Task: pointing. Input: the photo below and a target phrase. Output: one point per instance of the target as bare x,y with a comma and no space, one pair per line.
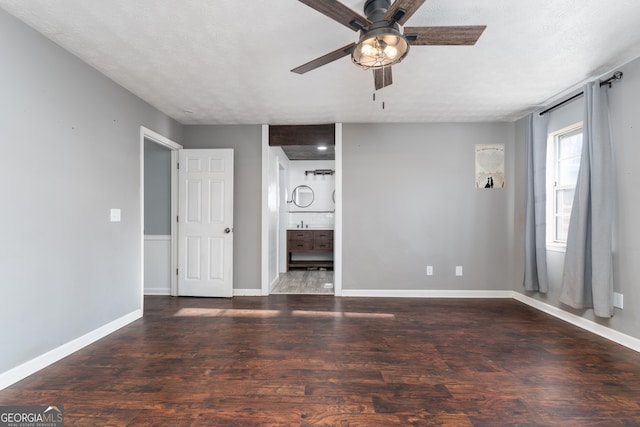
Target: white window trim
552,244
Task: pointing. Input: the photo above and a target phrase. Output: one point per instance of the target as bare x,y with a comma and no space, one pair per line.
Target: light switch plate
429,270
618,300
115,215
458,270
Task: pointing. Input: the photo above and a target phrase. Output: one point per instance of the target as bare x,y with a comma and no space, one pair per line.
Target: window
563,163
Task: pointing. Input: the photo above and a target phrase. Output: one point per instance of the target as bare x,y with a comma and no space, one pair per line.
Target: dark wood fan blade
444,36
410,7
339,12
325,59
382,77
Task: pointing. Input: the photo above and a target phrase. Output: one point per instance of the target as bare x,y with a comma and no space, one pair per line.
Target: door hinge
176,271
177,218
178,165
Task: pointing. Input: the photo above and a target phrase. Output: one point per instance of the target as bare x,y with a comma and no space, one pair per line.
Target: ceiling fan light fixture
380,48
381,44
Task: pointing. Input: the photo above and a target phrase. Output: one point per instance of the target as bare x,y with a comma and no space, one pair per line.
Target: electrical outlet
618,300
458,270
429,270
115,215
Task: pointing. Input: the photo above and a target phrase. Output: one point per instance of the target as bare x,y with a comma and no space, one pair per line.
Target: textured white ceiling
228,61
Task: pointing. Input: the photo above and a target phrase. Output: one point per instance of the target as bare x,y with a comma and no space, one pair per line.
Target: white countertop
326,227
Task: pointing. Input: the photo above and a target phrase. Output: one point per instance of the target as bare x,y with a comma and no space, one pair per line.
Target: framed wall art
490,166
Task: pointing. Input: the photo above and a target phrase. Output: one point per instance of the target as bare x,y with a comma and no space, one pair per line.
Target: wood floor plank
321,360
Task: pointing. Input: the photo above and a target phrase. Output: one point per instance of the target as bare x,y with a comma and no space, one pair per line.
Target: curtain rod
616,76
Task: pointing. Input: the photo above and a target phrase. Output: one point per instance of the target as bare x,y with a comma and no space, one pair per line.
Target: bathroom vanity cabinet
309,242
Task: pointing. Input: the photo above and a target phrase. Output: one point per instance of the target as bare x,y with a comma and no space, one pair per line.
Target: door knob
227,230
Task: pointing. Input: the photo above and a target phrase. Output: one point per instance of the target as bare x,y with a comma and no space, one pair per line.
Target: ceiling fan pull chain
374,100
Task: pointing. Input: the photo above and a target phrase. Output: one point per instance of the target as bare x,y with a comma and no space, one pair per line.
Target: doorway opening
301,217
307,212
158,206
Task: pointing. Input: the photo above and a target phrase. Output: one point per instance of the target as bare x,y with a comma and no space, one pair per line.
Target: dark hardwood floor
318,360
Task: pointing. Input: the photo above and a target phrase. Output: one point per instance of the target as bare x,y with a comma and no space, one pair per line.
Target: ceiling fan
381,44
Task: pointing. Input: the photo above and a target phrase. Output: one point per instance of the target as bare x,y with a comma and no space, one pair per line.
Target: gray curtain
588,267
535,270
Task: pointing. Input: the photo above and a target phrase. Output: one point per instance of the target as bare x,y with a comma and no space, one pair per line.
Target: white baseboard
16,374
247,292
389,293
157,291
589,325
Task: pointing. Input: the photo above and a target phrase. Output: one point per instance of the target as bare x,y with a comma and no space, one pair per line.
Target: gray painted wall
625,110
409,201
246,140
70,152
157,189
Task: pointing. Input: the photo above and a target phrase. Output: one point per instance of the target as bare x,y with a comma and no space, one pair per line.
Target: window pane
570,145
562,228
564,200
568,161
568,171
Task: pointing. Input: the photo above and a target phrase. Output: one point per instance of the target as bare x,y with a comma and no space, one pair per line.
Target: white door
205,223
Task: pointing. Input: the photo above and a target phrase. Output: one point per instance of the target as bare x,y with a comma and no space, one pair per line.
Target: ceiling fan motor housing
376,9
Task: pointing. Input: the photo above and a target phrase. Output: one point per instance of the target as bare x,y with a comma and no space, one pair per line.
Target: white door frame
146,133
281,240
337,233
337,226
264,268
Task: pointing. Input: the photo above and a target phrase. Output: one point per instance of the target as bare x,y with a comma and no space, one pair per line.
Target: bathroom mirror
302,196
